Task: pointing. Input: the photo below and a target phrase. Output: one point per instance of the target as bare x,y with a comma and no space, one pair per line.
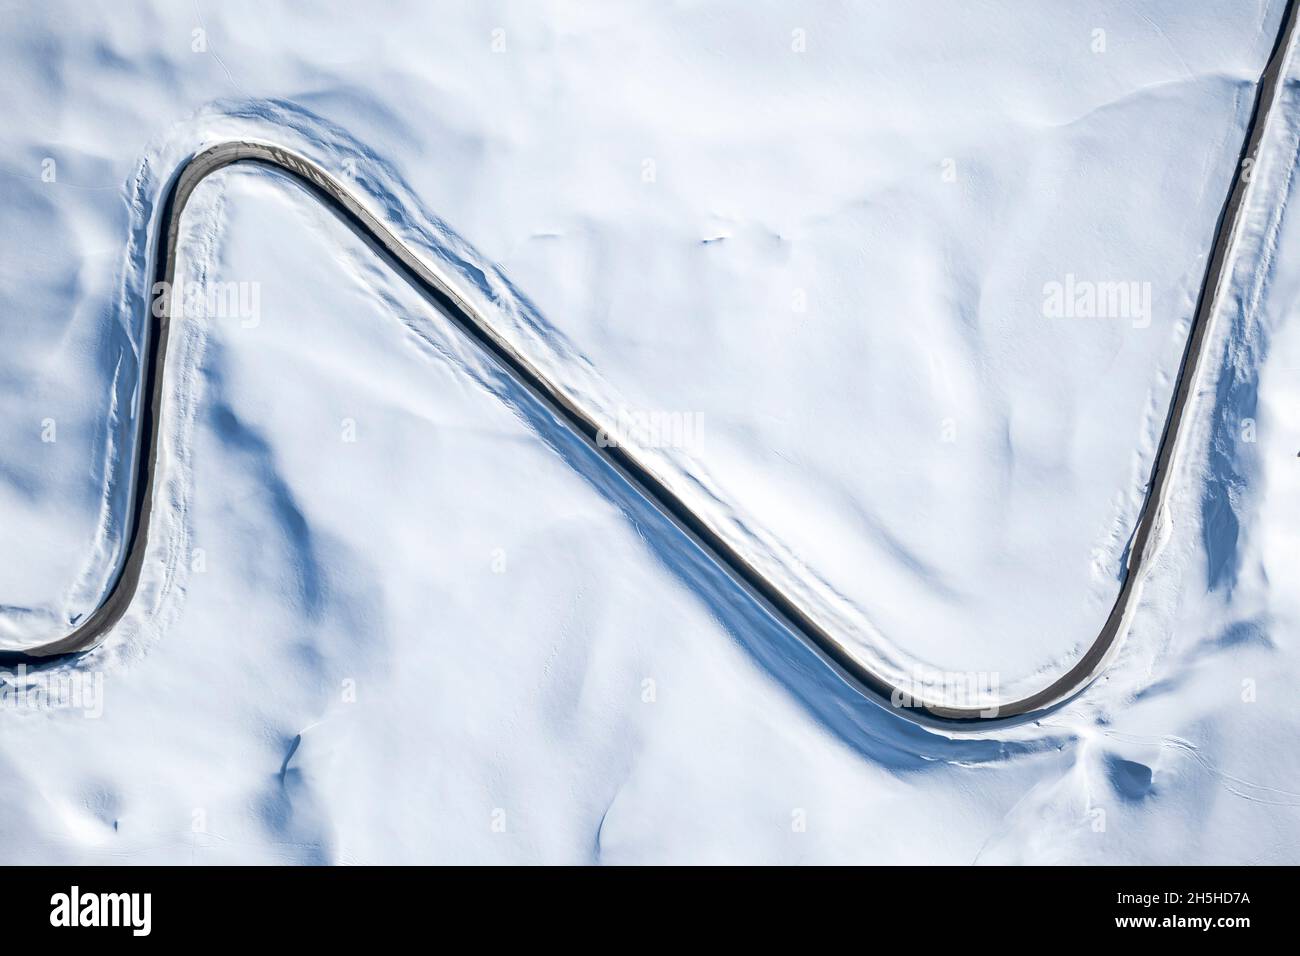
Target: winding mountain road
337,197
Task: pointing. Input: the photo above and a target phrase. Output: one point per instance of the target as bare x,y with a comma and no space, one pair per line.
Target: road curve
340,200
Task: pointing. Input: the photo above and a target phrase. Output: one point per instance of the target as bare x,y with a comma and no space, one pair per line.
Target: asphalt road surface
801,624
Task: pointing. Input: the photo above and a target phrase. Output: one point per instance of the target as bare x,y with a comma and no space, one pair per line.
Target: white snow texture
391,612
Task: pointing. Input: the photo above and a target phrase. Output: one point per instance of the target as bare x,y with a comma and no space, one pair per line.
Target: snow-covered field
392,613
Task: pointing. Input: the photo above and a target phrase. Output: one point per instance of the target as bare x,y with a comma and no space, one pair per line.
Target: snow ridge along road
442,293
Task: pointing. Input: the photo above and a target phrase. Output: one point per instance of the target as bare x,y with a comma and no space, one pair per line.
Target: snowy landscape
894,298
